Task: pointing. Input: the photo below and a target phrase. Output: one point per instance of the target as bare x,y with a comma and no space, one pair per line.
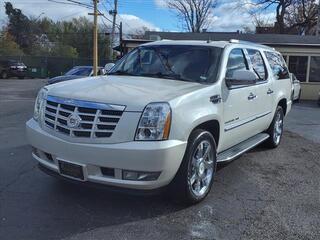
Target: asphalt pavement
265,194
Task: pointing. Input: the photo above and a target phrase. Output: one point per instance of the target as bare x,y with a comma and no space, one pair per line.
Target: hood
133,92
63,78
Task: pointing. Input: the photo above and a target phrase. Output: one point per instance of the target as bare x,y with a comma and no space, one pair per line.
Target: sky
134,14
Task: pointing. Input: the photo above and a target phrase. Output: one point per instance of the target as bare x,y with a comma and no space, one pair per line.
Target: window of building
299,65
258,64
278,65
237,61
314,69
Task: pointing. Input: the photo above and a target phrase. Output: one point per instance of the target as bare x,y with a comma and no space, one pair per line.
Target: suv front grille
81,119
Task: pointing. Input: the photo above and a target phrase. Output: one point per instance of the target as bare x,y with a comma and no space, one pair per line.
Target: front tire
276,129
194,179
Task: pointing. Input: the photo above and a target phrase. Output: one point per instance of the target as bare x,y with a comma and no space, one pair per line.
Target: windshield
16,63
79,71
178,62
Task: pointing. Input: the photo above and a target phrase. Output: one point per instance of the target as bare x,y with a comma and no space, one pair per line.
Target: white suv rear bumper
161,156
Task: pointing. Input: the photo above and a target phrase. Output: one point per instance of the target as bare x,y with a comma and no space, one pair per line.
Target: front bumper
162,156
17,73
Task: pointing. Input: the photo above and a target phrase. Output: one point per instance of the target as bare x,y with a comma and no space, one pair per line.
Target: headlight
154,123
39,105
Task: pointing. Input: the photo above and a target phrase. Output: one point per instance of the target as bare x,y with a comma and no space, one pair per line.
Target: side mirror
102,71
108,67
241,78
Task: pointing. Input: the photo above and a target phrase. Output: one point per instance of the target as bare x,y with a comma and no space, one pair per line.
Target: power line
69,3
80,3
76,3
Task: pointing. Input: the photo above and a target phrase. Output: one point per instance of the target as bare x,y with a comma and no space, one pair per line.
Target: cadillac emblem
74,120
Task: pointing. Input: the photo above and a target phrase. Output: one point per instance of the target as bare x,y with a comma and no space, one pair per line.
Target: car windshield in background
178,62
16,63
78,71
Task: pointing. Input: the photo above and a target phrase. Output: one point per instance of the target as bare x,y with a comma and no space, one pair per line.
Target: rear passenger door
264,89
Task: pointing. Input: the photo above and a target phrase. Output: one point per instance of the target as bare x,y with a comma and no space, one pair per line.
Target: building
302,53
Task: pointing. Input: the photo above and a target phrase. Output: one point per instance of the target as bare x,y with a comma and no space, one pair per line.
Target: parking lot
265,194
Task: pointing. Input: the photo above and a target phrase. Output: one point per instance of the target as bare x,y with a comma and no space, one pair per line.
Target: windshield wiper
173,76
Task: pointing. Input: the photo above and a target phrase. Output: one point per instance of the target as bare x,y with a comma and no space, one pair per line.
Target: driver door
239,104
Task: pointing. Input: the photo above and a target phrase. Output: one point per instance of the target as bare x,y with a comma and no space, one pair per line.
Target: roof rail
251,43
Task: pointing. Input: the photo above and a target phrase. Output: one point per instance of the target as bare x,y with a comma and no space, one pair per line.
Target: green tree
19,27
60,50
8,47
78,33
44,37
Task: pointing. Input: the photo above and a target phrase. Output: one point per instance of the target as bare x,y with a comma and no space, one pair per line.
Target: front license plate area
71,170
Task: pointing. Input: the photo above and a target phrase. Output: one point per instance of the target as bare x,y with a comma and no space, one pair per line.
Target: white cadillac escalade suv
165,115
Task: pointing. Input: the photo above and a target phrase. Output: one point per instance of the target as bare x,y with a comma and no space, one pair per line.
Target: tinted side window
236,61
258,64
278,65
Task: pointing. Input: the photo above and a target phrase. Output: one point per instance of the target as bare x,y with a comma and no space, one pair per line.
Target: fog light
140,176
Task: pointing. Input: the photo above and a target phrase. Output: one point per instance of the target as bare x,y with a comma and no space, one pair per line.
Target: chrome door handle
269,91
252,96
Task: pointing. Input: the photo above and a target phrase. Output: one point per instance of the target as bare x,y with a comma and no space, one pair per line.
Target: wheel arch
283,103
212,126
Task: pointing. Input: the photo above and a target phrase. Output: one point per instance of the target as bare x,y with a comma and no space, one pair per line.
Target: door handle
270,91
215,99
252,96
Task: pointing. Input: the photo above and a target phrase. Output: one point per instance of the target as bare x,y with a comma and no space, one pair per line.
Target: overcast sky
137,13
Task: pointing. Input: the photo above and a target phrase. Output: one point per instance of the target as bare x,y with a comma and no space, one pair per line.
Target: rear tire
298,99
4,75
275,130
194,178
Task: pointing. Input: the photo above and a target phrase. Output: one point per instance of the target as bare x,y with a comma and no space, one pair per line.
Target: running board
242,147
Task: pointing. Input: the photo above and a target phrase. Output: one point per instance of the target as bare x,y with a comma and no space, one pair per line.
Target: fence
44,67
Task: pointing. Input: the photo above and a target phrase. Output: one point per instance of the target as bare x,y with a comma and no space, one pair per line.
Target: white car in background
296,88
164,116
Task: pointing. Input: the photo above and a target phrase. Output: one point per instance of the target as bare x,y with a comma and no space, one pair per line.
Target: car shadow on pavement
36,205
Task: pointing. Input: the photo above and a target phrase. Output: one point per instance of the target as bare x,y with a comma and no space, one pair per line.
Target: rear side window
237,61
278,65
258,64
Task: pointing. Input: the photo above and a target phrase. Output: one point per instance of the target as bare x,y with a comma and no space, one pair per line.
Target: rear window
258,64
278,65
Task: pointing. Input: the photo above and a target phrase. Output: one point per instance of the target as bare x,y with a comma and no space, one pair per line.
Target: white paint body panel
239,119
296,90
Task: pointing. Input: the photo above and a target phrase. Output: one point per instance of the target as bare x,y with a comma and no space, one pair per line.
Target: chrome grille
81,119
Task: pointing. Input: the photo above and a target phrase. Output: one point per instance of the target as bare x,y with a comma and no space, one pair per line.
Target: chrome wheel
201,169
278,128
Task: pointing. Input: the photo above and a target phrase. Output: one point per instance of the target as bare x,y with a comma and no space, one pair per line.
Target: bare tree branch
194,14
292,16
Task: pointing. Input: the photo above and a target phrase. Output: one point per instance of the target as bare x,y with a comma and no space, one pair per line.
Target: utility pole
114,14
95,36
318,23
120,40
